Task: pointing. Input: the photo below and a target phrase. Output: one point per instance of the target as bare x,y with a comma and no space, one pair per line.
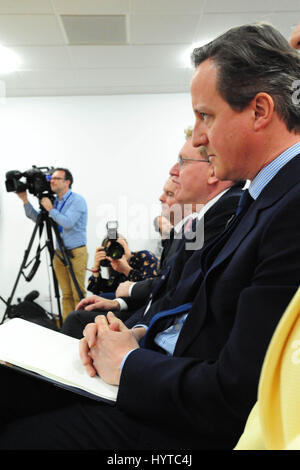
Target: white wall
119,149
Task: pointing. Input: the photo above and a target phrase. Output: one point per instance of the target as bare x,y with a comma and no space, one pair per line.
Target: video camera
115,250
37,181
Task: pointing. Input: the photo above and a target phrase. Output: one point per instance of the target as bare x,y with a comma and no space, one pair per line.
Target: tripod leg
51,250
38,224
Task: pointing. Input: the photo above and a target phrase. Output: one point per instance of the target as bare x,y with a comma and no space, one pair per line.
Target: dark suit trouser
38,415
76,321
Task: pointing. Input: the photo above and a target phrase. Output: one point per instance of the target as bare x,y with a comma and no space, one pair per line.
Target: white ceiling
159,32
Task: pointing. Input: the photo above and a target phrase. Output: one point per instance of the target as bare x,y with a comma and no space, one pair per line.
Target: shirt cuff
53,212
125,357
140,325
130,289
122,303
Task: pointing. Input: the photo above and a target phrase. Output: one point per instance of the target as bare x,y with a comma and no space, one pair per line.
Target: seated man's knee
77,320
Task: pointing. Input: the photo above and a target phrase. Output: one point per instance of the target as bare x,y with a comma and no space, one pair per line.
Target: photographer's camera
114,249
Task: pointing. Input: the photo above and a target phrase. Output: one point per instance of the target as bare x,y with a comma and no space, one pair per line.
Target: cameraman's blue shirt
70,213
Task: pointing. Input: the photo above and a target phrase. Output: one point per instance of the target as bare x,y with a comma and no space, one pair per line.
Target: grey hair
188,134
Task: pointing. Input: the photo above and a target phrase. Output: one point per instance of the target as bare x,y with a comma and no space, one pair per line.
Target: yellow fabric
252,437
274,422
69,294
294,444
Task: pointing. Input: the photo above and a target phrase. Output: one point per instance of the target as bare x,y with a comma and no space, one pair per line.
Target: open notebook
52,356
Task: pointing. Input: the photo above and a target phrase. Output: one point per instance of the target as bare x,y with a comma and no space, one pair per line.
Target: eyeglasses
57,178
181,160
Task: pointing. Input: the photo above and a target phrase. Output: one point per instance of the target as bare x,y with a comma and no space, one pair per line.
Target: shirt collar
268,172
210,203
65,196
201,213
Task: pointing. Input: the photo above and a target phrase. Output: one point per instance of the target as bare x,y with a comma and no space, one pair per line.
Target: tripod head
48,195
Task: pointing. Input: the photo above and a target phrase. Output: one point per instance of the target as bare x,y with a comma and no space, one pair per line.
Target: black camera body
115,250
37,181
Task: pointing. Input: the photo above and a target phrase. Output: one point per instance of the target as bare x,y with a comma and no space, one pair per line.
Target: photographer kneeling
108,273
132,266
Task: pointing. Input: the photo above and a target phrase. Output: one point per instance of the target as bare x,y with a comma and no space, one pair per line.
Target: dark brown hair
252,59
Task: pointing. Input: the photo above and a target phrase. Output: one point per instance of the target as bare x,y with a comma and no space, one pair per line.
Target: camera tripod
44,220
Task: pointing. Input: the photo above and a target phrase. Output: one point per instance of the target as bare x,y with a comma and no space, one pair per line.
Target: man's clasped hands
104,345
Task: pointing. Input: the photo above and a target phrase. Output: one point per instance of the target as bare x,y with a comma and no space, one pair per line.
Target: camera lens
115,250
105,263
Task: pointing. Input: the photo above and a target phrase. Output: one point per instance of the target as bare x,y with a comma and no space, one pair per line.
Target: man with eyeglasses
207,204
69,211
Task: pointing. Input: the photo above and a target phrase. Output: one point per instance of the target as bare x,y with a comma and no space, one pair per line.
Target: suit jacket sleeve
140,293
141,290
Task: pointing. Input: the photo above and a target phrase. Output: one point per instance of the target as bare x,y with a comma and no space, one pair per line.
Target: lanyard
61,208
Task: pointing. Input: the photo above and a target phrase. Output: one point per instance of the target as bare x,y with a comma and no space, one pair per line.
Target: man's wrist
127,270
113,304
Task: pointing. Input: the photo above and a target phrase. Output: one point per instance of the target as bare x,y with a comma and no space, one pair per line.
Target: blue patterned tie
244,202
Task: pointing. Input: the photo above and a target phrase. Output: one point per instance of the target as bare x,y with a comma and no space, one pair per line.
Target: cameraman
69,211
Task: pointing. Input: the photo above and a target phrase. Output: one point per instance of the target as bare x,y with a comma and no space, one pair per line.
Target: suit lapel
282,183
243,228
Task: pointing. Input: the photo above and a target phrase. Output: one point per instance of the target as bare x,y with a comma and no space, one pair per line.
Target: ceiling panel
232,6
129,76
24,7
127,56
213,24
83,82
160,33
162,29
91,7
97,78
167,6
92,91
18,30
95,29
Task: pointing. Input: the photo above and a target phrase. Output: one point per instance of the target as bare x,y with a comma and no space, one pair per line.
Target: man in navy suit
194,381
